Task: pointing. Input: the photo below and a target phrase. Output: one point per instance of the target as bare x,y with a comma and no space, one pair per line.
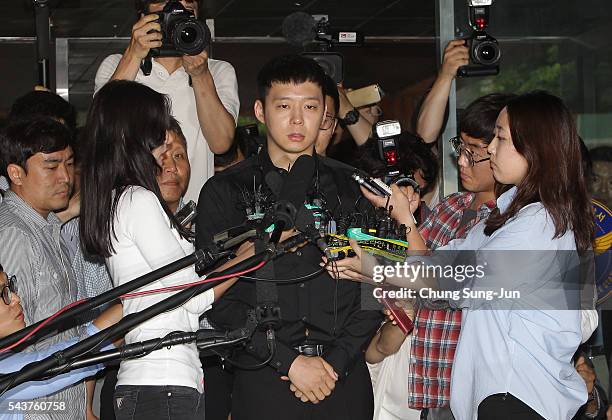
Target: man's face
158,6
293,114
477,178
11,316
328,128
46,181
602,181
174,177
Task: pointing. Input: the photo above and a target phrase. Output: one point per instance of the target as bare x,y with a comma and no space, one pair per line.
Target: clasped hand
312,378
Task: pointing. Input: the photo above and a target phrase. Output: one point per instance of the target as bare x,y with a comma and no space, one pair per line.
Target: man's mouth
296,137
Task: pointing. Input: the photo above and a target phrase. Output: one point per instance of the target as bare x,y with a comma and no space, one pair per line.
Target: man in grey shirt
38,162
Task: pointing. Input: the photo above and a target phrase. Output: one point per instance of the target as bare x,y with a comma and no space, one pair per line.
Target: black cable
251,367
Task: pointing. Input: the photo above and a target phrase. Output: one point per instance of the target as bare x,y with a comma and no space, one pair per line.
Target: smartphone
368,95
186,215
401,318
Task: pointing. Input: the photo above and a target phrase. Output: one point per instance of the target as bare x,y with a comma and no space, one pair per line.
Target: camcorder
485,53
313,33
182,32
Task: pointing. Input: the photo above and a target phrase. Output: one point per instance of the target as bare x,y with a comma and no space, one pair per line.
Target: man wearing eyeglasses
453,217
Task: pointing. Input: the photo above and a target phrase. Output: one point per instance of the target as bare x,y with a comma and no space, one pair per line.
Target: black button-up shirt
319,310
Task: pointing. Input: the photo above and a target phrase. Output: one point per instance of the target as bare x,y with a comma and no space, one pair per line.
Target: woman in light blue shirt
12,320
513,360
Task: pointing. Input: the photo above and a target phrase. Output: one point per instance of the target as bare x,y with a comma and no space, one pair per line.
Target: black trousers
506,407
261,394
218,384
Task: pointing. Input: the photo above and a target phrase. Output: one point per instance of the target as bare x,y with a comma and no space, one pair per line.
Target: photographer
203,91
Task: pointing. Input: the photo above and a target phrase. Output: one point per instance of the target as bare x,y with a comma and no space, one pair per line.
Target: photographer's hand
431,116
196,65
217,124
403,200
312,378
456,55
145,35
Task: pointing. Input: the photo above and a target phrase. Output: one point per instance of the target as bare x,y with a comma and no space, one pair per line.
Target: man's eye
311,107
282,106
179,156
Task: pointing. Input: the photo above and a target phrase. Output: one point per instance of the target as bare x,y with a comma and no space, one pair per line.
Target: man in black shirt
324,330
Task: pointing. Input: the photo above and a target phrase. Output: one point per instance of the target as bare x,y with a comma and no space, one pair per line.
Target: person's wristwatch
350,118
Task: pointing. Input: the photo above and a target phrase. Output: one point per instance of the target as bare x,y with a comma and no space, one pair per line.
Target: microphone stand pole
199,257
41,12
34,370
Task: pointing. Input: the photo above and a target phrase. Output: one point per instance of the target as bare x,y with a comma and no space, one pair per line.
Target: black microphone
292,195
299,28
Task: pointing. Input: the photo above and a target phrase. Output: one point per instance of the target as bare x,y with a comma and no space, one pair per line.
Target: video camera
182,32
313,33
485,53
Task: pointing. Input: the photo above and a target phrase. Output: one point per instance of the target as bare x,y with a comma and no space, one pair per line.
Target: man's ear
259,111
16,173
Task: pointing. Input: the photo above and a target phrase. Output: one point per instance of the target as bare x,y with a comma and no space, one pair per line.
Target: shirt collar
504,200
267,165
26,212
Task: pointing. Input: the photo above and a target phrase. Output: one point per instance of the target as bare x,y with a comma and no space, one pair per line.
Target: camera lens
487,53
188,35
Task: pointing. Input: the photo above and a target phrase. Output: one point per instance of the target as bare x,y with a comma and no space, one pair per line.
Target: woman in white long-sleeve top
125,220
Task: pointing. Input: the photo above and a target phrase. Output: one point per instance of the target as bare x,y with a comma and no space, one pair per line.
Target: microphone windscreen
299,28
298,181
274,181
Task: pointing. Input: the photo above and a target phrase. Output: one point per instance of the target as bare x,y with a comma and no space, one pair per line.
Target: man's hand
73,210
587,373
312,378
404,200
146,34
456,55
196,65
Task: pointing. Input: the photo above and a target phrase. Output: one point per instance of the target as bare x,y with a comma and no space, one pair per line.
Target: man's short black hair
23,138
331,89
601,154
292,68
175,127
43,103
478,119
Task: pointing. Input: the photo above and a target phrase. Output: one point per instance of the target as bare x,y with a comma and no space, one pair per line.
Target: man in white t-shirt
207,109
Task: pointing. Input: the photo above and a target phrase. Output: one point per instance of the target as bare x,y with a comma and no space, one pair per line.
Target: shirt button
304,318
302,285
298,253
54,275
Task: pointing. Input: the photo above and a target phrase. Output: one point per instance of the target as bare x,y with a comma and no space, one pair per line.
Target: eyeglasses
328,122
8,289
460,148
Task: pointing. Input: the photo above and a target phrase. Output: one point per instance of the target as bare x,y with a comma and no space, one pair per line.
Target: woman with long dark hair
514,357
125,220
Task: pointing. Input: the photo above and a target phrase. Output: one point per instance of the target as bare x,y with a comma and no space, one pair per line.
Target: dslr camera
182,33
485,53
387,134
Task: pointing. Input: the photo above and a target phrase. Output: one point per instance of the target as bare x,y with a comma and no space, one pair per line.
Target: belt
311,350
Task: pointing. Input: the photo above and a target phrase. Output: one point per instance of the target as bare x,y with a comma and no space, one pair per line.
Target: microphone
292,195
299,28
